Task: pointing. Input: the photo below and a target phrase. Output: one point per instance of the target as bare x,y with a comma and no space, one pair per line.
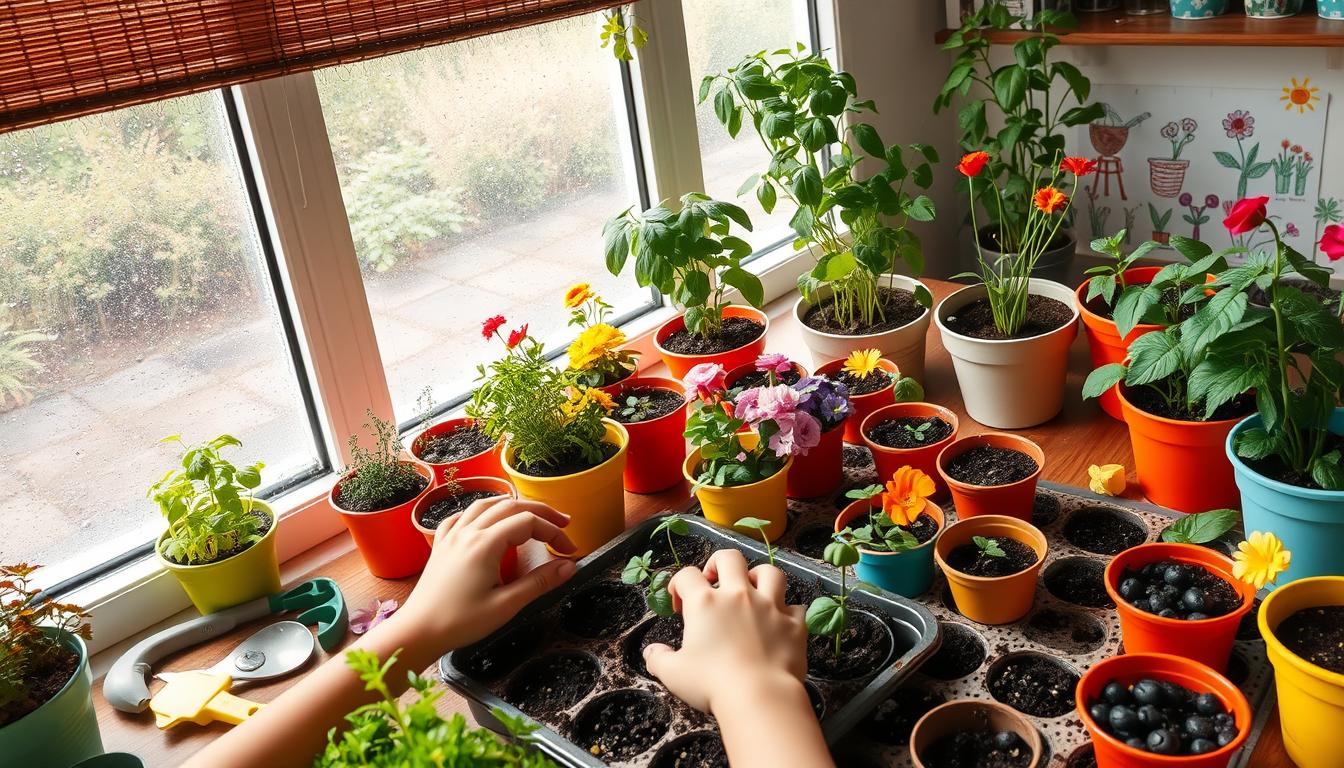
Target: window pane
134,304
477,177
719,33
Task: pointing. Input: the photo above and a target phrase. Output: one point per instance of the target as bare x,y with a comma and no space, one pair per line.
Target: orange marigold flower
577,294
601,398
516,337
973,163
1079,166
905,496
1049,200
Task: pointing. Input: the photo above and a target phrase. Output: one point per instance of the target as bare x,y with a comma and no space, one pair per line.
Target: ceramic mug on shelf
1330,9
1272,9
1200,9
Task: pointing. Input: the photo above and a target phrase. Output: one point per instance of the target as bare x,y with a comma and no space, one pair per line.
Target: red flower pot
1103,338
822,469
1207,641
861,405
391,546
484,464
1013,499
924,457
1133,667
657,446
508,566
730,380
680,364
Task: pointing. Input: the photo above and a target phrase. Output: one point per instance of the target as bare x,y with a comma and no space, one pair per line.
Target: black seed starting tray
573,660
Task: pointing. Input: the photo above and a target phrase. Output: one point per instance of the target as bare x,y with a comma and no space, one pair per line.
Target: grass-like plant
18,361
377,477
26,650
208,503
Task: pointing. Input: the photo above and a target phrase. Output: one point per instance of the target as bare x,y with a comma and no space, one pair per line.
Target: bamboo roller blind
64,58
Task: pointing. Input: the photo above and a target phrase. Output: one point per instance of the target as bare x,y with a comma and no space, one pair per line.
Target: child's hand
458,599
740,637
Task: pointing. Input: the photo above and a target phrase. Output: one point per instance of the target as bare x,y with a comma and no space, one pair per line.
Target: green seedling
920,432
988,547
758,525
1201,528
640,567
828,615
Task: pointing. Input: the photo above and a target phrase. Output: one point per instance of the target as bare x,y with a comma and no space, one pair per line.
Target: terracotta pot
1207,641
924,457
908,573
992,600
679,365
822,470
1133,667
248,575
484,464
64,730
861,405
765,499
970,715
593,498
391,547
1181,464
1311,698
508,567
1103,338
657,446
904,346
1014,499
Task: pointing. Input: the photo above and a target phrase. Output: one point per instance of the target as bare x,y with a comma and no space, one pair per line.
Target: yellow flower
1260,559
593,344
1108,479
577,294
601,398
862,362
904,498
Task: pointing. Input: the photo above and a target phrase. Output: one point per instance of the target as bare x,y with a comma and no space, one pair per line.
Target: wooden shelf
1115,28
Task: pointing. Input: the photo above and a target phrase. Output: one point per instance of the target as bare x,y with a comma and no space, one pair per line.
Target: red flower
1286,143
973,163
1246,216
1048,200
492,325
516,337
1332,242
1079,166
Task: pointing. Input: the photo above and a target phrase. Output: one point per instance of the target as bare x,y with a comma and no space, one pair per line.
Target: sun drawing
1301,96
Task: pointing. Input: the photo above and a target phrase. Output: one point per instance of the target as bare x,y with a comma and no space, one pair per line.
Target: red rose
1332,242
516,337
1078,166
1246,216
973,163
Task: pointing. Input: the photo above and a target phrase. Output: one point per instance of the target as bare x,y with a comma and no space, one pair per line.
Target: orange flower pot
1207,641
992,600
861,405
1103,338
391,546
750,367
508,567
1182,465
963,715
1014,499
657,446
822,469
924,457
616,386
679,365
1133,667
484,464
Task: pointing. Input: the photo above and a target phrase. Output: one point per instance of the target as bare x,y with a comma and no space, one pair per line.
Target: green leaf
806,185
803,222
813,133
1218,379
1078,82
765,195
828,102
1102,379
921,209
638,569
752,523
826,616
1227,160
1192,250
1327,473
755,85
724,105
989,547
1255,443
1153,357
1134,303
749,184
868,139
659,599
705,83
840,554
1310,270
1010,87
907,390
1202,527
777,125
1214,319
746,282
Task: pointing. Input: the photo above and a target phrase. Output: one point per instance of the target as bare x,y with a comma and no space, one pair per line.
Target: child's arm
456,602
743,657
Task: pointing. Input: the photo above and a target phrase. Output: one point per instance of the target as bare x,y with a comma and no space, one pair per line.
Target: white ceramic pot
1010,383
903,346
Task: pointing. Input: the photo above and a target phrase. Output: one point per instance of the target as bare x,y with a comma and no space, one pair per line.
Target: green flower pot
61,732
252,573
1199,9
1272,9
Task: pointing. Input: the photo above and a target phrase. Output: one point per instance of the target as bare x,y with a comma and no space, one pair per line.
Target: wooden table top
1080,436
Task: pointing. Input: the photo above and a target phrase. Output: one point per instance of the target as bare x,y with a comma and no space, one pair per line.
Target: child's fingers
728,568
522,526
685,584
478,508
500,512
657,659
535,583
771,582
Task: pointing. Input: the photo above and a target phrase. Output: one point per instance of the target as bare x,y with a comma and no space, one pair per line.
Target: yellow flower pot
593,498
766,499
1311,699
252,573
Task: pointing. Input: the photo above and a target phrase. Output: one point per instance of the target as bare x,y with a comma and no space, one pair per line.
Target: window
476,186
135,302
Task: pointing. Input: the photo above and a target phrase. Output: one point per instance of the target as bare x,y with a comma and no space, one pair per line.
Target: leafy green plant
1201,527
1151,302
395,205
389,733
624,37
679,252
759,526
26,650
828,615
377,477
795,104
1104,280
208,503
640,567
988,547
18,361
636,408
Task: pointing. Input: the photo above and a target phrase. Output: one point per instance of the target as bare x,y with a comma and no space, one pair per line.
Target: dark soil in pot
570,463
894,718
1034,684
1317,635
1103,531
1044,510
981,748
1079,580
1082,757
1178,591
798,591
1072,632
655,403
1150,401
899,308
990,465
762,379
621,724
462,442
663,629
1017,557
407,487
811,540
962,652
40,683
862,385
493,661
445,508
694,750
736,332
691,550
864,645
857,456
1273,468
909,431
976,319
603,609
553,683
1327,296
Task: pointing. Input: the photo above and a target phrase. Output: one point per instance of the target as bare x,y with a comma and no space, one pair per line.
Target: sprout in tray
640,568
759,526
829,615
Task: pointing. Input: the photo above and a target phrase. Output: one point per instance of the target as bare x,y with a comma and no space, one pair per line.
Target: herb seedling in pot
640,568
891,526
377,478
208,504
829,615
760,527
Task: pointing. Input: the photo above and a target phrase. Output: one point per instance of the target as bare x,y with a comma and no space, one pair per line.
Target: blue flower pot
1330,9
1199,9
908,573
1272,9
1310,522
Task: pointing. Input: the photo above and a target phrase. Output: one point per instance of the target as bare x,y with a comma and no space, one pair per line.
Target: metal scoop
273,651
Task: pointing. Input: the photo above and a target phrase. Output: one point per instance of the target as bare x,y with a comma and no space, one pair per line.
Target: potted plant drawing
850,299
456,445
894,527
871,382
220,540
1009,335
46,702
1035,99
1285,166
560,447
375,497
1240,126
1166,175
1160,220
1302,171
991,563
677,252
596,358
653,411
1302,623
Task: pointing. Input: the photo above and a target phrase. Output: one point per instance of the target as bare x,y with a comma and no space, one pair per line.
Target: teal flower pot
908,573
112,760
1199,9
61,732
1272,9
1330,9
1308,521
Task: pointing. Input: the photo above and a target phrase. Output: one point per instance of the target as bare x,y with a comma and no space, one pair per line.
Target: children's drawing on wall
1202,149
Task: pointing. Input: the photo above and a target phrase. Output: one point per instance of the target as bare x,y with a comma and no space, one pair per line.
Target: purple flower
1185,198
798,433
1211,201
364,619
774,362
1170,130
825,400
